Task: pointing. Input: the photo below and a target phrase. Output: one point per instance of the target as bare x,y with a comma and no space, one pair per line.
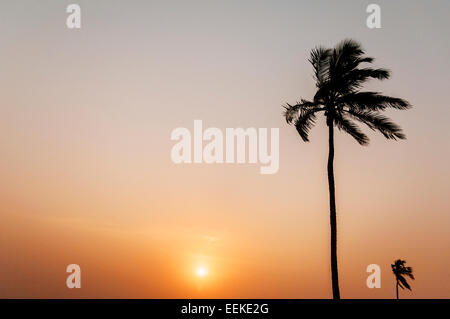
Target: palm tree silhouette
339,78
400,271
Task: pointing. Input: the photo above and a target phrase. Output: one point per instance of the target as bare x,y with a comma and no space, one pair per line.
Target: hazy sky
86,175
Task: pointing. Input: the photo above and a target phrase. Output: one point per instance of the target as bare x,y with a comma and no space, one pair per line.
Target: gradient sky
86,175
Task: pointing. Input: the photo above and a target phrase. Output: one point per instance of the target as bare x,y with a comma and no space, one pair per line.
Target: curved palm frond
304,123
291,112
343,58
345,124
357,61
319,59
354,78
303,116
403,283
347,51
409,273
373,101
381,123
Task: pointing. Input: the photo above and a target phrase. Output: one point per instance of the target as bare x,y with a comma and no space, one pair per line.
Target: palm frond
343,58
348,50
408,272
354,78
381,123
366,73
403,282
351,128
410,275
319,59
366,59
304,122
303,116
372,101
291,112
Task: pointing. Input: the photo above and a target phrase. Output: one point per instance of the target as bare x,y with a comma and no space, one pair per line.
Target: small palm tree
400,271
339,77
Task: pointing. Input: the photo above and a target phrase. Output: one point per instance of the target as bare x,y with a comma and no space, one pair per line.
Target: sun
201,271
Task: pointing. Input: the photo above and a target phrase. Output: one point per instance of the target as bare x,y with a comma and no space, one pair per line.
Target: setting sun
201,271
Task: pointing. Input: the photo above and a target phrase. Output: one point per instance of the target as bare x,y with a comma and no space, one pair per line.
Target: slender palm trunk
334,266
396,288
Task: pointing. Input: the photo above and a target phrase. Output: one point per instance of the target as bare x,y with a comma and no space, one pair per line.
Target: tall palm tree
339,77
400,271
